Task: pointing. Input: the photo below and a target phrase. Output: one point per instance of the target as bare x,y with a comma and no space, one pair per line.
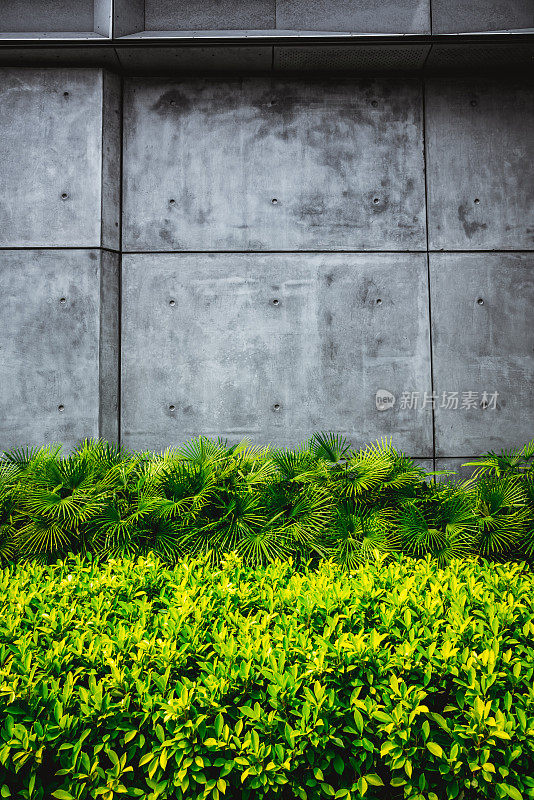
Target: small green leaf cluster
322,500
398,679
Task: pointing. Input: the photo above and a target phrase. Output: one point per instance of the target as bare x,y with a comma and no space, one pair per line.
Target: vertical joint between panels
428,275
119,293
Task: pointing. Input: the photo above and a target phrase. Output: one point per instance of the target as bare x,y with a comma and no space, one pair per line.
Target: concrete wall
59,259
289,248
364,16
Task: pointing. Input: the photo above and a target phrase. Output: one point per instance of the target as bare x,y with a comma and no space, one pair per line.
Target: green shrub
398,679
323,499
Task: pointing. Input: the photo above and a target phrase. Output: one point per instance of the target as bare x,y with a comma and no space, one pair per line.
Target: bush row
323,499
398,679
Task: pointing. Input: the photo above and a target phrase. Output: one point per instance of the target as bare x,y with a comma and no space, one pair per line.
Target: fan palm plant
356,532
441,523
323,498
502,515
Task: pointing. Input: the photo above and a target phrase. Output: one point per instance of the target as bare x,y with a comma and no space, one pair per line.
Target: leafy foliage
324,499
397,679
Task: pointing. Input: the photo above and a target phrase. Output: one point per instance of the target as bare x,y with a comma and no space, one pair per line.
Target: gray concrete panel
426,463
49,346
273,347
480,152
128,17
273,165
109,344
111,160
483,341
365,16
168,15
456,465
481,15
52,15
50,175
103,17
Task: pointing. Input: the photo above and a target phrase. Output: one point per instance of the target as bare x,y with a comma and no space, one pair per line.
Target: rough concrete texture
128,17
51,173
261,164
168,15
481,15
273,347
229,359
53,15
480,148
51,349
111,160
366,16
483,341
109,344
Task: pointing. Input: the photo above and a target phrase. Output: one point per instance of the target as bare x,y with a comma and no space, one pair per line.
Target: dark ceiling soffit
270,38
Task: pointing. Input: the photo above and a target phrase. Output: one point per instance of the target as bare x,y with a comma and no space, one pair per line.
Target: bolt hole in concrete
61,408
276,301
273,102
64,195
172,408
172,302
65,94
172,202
480,301
474,103
62,300
477,201
379,302
276,407
274,201
374,103
376,200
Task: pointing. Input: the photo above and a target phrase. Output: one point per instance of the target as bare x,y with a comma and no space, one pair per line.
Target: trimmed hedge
397,679
323,499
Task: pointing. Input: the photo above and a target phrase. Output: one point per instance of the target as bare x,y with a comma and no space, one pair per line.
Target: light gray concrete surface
273,165
273,347
480,149
483,341
109,344
52,15
168,15
365,16
229,359
128,17
481,15
51,172
461,471
111,161
51,347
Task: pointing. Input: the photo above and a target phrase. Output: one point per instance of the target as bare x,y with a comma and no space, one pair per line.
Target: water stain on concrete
470,227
